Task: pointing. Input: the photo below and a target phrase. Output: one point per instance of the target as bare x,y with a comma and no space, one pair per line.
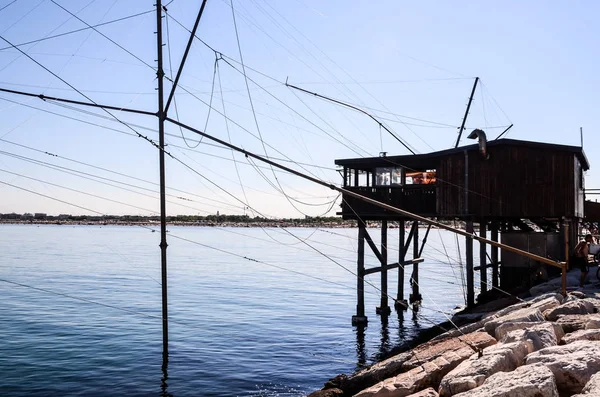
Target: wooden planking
515,181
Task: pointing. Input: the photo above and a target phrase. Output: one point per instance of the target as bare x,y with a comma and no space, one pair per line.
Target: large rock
549,302
593,322
369,376
583,334
462,346
429,392
554,285
407,383
327,393
505,328
473,372
521,315
539,335
542,297
453,351
574,322
572,365
526,381
592,389
580,306
465,329
428,365
595,302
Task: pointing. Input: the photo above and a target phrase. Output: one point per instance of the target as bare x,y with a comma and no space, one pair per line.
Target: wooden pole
483,256
163,211
360,317
400,302
469,270
566,263
384,309
494,255
464,120
415,296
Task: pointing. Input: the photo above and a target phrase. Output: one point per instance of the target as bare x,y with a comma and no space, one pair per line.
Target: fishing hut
528,194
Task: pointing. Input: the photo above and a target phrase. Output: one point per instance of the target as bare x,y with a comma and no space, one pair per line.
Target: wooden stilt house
512,187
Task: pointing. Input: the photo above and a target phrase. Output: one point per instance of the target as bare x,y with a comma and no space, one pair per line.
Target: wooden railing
418,199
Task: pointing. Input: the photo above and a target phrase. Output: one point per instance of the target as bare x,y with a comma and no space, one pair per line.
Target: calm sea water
81,306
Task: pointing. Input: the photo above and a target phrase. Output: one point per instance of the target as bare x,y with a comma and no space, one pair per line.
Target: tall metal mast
163,212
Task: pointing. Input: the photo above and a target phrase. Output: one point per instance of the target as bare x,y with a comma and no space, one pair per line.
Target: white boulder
542,327
583,334
471,373
572,365
521,315
526,381
539,335
579,306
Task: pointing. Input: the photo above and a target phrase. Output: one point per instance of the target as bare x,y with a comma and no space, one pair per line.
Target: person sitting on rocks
580,257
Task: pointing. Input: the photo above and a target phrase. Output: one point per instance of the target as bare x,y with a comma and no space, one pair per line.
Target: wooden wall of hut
519,182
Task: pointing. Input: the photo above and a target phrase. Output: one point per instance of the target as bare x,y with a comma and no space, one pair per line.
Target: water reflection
361,354
386,344
165,377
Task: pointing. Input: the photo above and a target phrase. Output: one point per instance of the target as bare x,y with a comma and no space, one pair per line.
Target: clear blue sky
536,61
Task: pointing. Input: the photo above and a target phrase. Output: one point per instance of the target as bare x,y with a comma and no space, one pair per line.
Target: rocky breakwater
546,346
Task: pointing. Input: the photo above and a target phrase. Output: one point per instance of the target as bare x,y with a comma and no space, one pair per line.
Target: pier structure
522,194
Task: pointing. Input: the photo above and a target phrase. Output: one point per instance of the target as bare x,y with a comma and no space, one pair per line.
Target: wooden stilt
401,303
483,256
415,296
563,289
384,309
469,269
360,317
494,255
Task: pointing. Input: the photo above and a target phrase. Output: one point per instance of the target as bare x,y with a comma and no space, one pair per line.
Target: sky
410,64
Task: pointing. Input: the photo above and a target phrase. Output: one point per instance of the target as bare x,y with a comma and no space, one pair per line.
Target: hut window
386,176
363,178
383,176
427,177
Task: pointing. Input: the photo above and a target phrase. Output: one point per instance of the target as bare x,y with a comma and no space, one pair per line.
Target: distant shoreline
270,224
342,224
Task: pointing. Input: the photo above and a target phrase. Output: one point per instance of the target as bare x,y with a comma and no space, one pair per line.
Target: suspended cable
103,35
77,30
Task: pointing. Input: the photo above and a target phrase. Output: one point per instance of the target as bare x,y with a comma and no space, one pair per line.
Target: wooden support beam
469,267
410,237
482,257
384,308
416,295
487,266
394,265
373,246
400,302
360,317
566,265
424,241
494,255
